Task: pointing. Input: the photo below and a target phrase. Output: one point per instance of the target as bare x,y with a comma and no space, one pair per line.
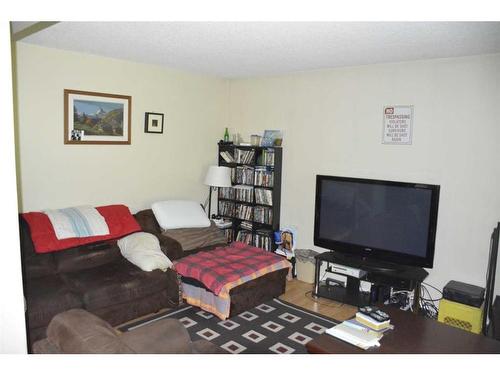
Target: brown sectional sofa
96,278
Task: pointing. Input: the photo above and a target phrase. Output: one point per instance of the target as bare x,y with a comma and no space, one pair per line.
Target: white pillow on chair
176,214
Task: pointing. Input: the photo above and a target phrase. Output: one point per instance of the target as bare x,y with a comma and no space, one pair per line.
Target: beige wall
153,167
332,124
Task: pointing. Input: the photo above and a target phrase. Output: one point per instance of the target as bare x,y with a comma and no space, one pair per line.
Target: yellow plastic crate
462,316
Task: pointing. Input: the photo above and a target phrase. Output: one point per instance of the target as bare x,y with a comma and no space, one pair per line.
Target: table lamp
216,177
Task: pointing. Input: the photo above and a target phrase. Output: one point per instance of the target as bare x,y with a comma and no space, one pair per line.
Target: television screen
387,220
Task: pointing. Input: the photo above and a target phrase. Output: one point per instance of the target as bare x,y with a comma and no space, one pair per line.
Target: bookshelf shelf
253,203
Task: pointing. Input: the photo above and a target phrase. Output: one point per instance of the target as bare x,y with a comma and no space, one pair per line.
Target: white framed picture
153,123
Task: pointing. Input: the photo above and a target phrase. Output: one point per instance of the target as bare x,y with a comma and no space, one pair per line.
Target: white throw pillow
143,250
180,214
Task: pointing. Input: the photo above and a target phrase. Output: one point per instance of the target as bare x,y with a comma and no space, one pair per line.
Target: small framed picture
153,123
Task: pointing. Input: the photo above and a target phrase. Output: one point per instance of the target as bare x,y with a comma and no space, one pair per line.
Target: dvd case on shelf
264,196
243,175
243,193
263,215
264,177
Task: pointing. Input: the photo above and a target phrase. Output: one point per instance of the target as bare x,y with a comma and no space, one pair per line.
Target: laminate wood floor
300,293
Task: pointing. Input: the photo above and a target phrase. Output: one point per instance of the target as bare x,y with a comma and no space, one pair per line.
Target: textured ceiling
250,49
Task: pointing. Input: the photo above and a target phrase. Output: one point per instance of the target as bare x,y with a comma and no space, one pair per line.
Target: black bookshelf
262,215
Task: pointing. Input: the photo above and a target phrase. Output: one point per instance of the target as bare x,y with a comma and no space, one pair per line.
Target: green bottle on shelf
226,136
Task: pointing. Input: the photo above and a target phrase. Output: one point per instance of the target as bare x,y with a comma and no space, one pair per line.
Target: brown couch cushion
78,331
123,312
162,336
47,296
87,256
114,283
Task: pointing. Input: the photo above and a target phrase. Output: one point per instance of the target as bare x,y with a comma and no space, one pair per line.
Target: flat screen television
385,221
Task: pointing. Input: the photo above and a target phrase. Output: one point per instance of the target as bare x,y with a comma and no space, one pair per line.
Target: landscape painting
95,118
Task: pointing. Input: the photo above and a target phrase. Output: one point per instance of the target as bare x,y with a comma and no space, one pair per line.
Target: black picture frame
153,123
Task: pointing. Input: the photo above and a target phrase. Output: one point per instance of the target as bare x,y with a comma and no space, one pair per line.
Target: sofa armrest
165,336
77,331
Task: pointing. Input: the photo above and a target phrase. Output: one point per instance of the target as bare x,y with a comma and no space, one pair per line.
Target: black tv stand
379,274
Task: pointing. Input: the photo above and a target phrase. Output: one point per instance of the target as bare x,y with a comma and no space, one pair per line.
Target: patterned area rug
272,327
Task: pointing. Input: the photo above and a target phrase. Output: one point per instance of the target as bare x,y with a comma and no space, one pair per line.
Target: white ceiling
21,25
249,49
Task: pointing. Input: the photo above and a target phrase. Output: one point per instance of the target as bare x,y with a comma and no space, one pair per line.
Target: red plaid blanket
227,267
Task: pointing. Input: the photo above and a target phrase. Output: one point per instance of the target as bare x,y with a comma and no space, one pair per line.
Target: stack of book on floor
365,330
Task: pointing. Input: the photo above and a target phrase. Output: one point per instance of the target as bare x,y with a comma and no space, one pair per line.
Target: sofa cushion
47,296
86,256
124,312
114,283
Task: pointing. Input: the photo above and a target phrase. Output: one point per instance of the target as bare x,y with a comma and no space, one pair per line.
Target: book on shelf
244,212
226,208
226,155
244,156
243,193
358,336
264,177
226,193
243,175
263,238
263,215
244,236
246,225
267,157
264,196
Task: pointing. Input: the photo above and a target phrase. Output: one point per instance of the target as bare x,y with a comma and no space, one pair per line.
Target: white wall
153,167
332,124
12,323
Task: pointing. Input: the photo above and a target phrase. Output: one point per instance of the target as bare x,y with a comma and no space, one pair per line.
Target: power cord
428,305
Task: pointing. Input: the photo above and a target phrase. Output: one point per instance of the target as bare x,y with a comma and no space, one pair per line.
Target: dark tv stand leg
352,288
416,298
316,277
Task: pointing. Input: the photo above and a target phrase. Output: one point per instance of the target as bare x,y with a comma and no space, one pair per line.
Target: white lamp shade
218,176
